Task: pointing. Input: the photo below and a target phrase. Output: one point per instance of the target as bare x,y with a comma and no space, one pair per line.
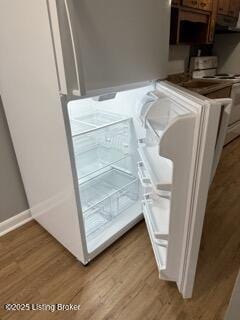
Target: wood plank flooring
123,283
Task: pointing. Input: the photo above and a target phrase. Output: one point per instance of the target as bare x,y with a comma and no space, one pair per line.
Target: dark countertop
201,86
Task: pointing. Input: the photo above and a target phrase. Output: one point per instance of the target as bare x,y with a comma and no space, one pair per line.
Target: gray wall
178,59
12,195
227,48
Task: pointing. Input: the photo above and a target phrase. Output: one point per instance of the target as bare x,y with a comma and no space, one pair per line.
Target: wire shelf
94,121
97,150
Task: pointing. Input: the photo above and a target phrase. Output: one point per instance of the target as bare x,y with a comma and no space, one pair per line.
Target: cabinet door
234,8
223,6
191,3
206,5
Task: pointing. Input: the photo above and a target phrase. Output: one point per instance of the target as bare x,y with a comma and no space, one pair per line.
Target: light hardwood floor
123,283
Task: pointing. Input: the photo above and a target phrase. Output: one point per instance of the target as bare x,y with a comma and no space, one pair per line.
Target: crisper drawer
105,196
154,171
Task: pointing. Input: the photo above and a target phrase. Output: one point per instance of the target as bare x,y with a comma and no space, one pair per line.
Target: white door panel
204,158
111,43
30,94
189,141
222,131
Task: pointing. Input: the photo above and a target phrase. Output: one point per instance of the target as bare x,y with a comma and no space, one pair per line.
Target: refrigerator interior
131,152
105,134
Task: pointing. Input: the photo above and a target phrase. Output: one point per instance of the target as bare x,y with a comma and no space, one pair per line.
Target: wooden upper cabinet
198,4
190,3
205,5
193,21
223,6
234,7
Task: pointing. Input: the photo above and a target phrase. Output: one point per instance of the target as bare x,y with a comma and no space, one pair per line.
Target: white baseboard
15,222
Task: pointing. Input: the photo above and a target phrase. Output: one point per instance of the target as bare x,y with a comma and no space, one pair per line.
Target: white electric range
206,68
234,78
234,122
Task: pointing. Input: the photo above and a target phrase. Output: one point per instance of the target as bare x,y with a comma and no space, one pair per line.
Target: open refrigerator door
177,157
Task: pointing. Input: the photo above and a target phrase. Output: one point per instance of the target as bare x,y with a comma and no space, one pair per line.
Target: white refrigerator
101,139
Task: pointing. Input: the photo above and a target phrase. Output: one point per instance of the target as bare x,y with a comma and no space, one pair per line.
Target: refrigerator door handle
81,90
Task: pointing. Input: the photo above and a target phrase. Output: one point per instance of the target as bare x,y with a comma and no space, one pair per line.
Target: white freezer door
187,138
101,44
